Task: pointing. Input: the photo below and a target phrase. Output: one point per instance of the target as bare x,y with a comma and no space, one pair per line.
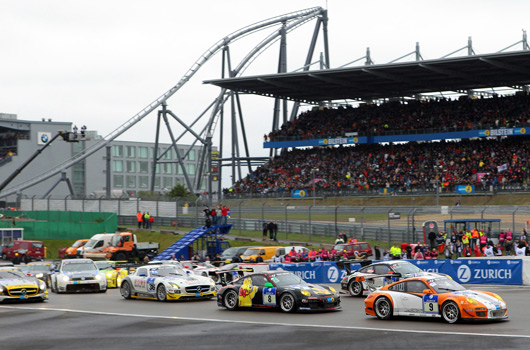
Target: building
131,163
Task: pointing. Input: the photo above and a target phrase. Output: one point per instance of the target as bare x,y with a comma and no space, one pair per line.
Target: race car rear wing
225,276
346,265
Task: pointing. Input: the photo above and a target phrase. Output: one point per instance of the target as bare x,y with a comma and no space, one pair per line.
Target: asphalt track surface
107,321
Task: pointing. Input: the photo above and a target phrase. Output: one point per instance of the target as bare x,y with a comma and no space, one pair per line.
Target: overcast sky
100,62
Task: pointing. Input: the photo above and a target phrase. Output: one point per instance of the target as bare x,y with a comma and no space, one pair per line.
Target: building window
191,169
179,169
143,181
191,155
168,183
130,151
167,168
131,181
142,152
168,154
131,166
157,182
118,181
117,166
117,151
143,167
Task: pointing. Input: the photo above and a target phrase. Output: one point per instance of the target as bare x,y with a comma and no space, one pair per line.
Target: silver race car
78,275
16,285
167,282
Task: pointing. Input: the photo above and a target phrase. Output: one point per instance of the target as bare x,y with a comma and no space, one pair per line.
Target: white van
95,245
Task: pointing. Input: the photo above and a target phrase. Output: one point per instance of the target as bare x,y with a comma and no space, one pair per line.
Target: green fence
60,224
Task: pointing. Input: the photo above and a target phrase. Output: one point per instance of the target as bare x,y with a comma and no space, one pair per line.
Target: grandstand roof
389,80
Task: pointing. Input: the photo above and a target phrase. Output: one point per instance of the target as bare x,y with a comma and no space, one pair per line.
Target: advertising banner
465,189
477,271
325,272
299,194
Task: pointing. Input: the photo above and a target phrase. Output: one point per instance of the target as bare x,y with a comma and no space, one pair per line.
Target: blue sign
476,271
465,189
299,194
325,272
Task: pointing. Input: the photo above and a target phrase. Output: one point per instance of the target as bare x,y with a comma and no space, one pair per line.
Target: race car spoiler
224,275
346,265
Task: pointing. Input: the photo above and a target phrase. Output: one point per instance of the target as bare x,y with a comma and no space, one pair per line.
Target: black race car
277,289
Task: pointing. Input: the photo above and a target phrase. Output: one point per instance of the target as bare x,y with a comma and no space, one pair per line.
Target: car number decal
269,296
151,284
430,304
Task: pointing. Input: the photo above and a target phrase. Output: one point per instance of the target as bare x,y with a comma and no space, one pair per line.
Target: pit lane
201,324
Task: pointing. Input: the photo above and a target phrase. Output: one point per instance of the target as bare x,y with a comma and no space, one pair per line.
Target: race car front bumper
191,296
23,293
329,302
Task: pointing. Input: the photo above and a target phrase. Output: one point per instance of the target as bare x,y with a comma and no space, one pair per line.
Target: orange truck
124,246
71,252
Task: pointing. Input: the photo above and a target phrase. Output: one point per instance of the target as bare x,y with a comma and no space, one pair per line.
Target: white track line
430,332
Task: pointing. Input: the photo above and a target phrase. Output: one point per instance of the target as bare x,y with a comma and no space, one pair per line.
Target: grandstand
398,141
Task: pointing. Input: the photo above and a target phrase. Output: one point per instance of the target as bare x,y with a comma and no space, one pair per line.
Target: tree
179,191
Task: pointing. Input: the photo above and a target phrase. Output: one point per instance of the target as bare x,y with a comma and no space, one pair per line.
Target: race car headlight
98,277
66,278
39,275
42,285
498,297
332,289
174,285
306,293
472,301
109,274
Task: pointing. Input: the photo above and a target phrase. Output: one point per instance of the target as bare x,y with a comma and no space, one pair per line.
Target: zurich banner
477,271
316,272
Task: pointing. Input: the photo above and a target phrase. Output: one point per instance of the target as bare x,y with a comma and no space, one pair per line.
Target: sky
98,62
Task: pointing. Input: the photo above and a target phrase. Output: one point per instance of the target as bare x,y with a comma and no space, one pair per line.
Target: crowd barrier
507,271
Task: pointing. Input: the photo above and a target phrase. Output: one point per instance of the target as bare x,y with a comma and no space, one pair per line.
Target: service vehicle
283,251
24,251
16,285
95,245
41,270
376,275
124,246
78,275
114,271
166,282
351,248
434,297
71,252
277,289
266,252
230,253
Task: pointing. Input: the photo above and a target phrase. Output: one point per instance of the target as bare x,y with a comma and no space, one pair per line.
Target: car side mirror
396,274
427,291
268,285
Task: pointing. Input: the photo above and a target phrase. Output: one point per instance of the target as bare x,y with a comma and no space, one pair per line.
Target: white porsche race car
78,275
166,282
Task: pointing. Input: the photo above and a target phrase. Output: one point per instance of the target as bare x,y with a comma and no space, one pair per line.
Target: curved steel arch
299,17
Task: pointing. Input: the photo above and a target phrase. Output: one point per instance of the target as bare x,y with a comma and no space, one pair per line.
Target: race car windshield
79,267
11,274
42,268
405,269
286,279
443,285
167,271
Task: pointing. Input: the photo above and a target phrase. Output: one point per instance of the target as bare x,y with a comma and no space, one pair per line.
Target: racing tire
125,290
287,303
383,308
161,293
121,257
355,288
231,299
450,312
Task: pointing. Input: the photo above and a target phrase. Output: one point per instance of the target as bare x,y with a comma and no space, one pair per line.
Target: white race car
16,285
373,276
78,275
166,282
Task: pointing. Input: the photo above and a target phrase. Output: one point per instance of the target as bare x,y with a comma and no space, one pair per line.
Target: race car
41,270
113,272
373,276
78,275
434,297
166,282
15,285
202,268
277,289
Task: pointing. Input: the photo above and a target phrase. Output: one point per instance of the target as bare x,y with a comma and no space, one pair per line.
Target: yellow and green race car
113,272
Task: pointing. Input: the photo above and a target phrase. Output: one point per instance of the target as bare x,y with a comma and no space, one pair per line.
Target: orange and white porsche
434,297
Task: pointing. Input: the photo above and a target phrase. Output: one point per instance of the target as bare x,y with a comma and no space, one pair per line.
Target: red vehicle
351,248
26,251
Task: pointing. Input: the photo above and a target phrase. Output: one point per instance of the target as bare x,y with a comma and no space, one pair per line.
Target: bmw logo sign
44,138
